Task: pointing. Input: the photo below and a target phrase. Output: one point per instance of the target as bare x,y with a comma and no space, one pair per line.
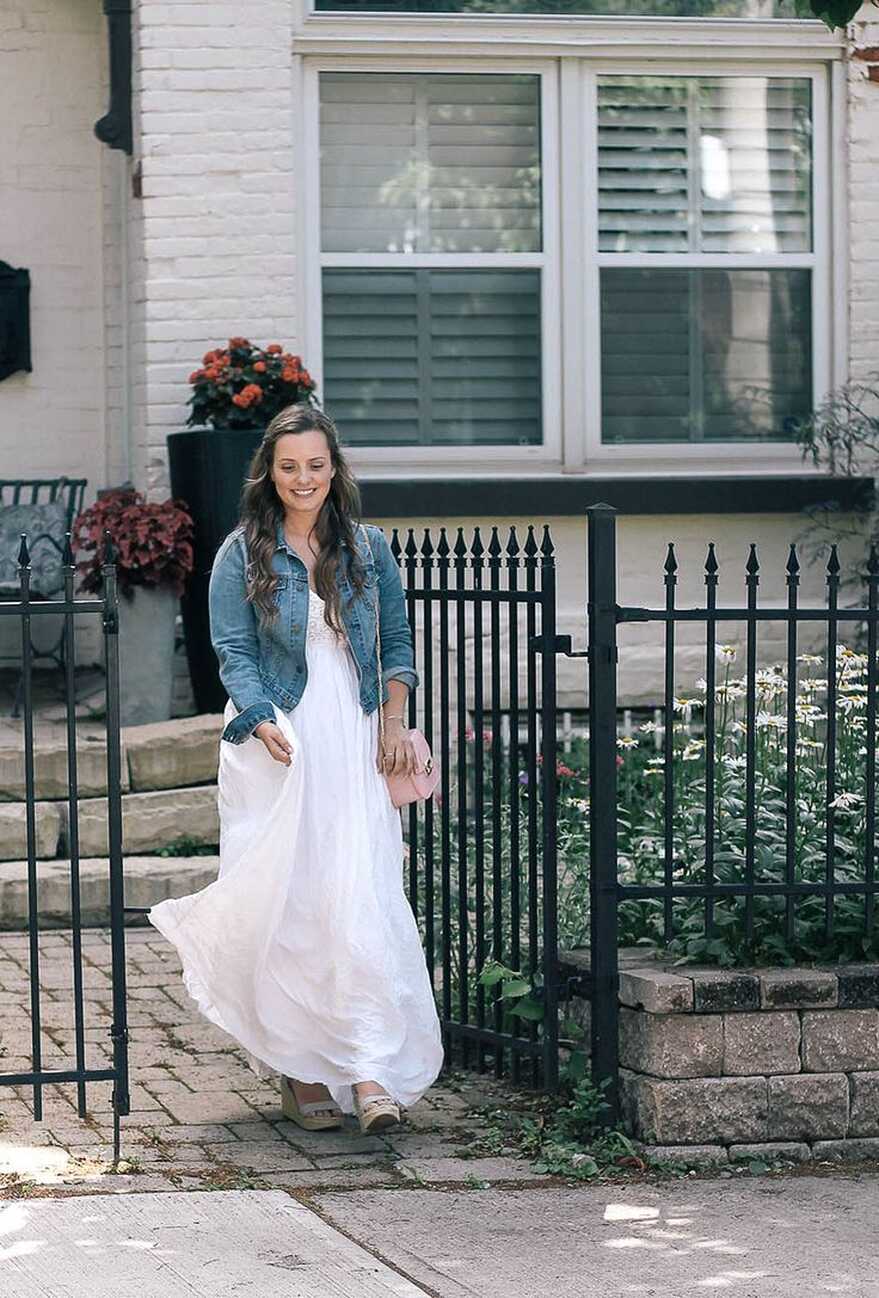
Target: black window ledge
496,497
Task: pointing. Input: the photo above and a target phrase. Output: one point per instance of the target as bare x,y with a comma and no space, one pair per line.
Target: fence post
603,882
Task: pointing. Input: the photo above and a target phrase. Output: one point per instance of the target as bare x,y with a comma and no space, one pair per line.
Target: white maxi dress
305,949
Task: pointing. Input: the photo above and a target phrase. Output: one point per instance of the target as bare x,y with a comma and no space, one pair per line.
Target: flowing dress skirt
305,949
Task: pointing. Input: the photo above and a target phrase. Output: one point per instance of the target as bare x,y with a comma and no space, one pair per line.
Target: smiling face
302,470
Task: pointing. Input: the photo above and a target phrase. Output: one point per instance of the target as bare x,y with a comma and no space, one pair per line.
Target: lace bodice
317,630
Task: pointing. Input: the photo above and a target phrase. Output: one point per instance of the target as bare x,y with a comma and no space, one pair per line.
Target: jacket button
296,626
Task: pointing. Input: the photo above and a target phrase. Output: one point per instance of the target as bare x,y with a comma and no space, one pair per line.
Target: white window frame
548,452
601,455
570,53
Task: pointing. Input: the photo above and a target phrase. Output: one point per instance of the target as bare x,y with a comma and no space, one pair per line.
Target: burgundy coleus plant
153,541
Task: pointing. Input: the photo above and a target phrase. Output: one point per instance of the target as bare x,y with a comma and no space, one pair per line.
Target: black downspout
115,129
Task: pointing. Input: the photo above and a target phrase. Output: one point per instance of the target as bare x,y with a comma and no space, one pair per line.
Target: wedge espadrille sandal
317,1115
375,1112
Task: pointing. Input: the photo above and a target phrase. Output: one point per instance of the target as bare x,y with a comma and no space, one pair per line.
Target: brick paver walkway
200,1118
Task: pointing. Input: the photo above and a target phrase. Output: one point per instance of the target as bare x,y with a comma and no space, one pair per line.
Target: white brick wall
216,223
52,420
863,168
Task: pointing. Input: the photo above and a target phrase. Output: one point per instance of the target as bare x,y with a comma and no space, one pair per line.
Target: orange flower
274,349
260,367
212,373
196,375
209,357
253,392
305,379
289,376
241,400
238,342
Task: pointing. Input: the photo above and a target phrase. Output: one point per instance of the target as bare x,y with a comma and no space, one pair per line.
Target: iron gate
23,609
483,854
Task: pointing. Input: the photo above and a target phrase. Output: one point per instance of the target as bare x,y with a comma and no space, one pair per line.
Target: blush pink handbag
405,788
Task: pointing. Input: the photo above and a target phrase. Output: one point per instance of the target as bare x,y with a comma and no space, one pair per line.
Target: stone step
167,755
148,879
50,763
149,821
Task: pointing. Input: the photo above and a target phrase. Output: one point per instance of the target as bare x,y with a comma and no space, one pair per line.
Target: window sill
528,497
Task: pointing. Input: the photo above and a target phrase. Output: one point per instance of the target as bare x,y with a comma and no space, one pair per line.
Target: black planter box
208,466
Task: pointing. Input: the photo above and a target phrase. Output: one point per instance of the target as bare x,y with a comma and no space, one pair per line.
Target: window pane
610,8
704,355
433,357
708,164
429,162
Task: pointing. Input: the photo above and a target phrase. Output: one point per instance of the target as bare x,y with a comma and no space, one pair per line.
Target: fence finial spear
442,545
530,543
494,545
752,567
546,547
427,544
24,557
395,543
460,544
711,564
513,543
833,564
477,548
793,563
671,563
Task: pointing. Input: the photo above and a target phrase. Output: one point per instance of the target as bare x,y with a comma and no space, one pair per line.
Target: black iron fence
482,855
74,612
761,844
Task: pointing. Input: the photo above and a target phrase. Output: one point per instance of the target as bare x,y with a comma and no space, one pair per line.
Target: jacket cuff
406,674
243,725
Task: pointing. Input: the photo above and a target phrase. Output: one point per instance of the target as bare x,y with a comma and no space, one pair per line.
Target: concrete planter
146,655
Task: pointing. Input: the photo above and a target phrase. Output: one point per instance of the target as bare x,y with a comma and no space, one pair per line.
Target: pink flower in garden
619,760
486,736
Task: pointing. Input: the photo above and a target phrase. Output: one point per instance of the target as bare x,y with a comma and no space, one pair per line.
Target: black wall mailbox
15,330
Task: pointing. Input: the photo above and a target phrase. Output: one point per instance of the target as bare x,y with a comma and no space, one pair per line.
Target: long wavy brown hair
262,510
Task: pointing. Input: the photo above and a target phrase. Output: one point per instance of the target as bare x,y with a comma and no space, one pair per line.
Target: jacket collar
281,540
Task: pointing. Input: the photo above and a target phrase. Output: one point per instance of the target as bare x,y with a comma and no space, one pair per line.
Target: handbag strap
378,648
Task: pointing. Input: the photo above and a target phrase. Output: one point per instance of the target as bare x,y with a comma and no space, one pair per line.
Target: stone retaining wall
725,1065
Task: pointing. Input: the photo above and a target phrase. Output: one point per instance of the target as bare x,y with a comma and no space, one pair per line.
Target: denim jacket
262,665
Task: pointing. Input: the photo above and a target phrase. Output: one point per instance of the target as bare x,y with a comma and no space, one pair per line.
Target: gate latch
562,646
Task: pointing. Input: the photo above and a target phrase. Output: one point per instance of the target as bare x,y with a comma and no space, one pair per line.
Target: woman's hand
399,751
276,745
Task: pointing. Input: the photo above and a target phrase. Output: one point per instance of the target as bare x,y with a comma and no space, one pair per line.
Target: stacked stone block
728,1065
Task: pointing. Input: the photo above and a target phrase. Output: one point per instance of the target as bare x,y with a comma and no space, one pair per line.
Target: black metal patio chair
44,509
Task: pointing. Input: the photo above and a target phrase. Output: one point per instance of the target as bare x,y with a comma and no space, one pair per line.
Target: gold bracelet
395,718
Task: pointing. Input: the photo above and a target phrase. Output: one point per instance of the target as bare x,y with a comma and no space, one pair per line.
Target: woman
305,948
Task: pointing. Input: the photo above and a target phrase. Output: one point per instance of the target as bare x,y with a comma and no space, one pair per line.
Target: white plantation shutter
642,165
433,356
429,163
693,354
711,164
